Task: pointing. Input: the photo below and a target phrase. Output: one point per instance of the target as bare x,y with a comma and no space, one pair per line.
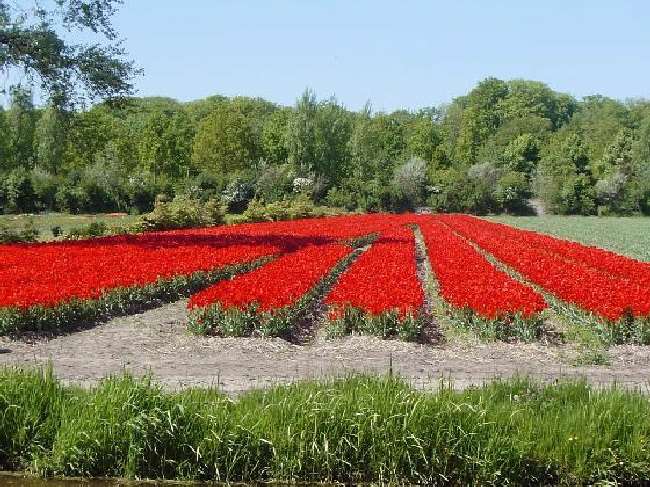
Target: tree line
492,150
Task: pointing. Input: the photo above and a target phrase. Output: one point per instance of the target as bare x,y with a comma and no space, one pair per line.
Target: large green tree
89,133
423,138
599,119
225,142
166,143
49,140
565,182
378,144
275,136
480,118
641,154
472,120
317,137
5,153
21,119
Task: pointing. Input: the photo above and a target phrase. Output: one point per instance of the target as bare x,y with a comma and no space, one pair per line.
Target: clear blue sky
397,54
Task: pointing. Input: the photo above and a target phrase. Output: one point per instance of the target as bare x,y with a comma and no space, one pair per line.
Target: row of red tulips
467,280
380,293
601,259
590,287
51,274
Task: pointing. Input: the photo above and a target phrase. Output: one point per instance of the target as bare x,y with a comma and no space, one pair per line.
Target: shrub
92,230
45,187
204,186
103,184
183,212
18,192
409,183
512,192
70,197
273,183
141,192
238,194
29,233
303,185
320,187
369,195
288,209
465,191
341,198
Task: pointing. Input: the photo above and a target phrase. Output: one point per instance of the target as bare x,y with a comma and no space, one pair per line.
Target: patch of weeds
362,241
92,230
233,322
591,356
630,329
583,330
28,234
357,430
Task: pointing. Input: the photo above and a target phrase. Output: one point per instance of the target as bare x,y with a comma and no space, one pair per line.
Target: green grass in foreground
625,235
45,221
357,429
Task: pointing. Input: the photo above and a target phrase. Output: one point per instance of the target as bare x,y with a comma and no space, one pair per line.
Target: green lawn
44,222
625,235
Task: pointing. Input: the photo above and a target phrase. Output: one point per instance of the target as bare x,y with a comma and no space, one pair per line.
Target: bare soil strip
156,342
431,332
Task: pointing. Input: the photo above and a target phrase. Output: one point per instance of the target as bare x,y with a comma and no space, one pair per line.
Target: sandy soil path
156,342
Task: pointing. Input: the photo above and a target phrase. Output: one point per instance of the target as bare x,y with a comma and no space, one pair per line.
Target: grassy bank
358,429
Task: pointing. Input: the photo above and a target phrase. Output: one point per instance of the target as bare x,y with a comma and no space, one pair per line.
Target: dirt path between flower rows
156,342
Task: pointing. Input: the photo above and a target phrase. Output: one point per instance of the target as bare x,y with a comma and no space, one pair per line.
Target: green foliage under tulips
386,325
506,328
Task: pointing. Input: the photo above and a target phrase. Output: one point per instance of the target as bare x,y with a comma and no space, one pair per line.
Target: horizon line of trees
492,150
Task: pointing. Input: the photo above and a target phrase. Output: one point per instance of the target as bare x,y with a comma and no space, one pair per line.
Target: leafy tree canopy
34,45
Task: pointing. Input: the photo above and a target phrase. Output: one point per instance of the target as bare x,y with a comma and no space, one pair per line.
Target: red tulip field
356,273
